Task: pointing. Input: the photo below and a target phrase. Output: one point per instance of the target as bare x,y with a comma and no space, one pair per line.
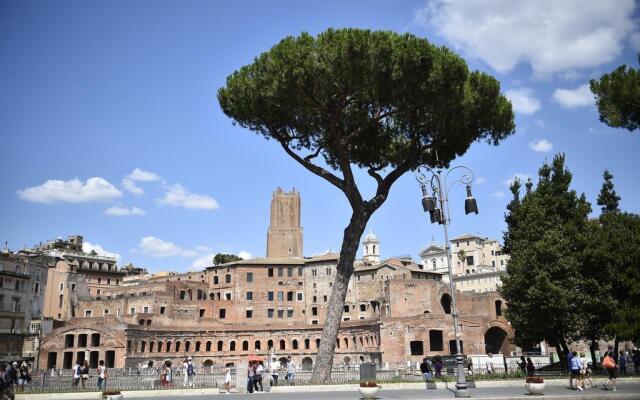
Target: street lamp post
438,208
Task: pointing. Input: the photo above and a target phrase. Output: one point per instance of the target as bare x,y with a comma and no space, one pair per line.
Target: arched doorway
445,301
495,341
283,362
207,363
307,364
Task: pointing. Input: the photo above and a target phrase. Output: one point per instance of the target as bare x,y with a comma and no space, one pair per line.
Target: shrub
368,384
535,379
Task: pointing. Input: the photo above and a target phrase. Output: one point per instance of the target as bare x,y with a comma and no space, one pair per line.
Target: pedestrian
576,365
77,374
102,375
85,374
438,367
469,366
3,383
426,370
251,371
636,361
227,379
184,372
53,372
257,379
489,363
273,371
609,363
291,371
622,361
585,373
10,378
23,376
190,372
522,364
166,375
531,369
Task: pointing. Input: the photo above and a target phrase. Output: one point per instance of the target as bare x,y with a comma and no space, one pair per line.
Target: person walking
102,375
438,367
190,372
257,379
425,369
636,361
273,371
251,371
469,366
77,374
531,369
622,361
23,376
609,363
10,378
291,371
576,365
227,379
166,375
489,364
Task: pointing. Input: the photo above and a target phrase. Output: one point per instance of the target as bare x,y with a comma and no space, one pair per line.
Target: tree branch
313,155
374,173
321,172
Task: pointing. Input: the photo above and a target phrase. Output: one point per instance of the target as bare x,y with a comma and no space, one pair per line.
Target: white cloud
72,191
480,180
124,211
203,249
522,177
571,75
88,247
143,176
498,195
130,186
179,196
203,261
155,247
551,36
539,123
245,255
572,98
541,146
523,101
634,41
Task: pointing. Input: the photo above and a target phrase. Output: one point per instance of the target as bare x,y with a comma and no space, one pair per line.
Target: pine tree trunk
352,234
565,352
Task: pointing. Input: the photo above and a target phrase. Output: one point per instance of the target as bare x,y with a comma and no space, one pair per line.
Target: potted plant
112,395
534,385
368,389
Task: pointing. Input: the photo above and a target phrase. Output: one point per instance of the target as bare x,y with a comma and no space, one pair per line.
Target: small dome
371,237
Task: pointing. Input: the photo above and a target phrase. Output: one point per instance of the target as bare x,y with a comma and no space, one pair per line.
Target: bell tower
284,237
371,249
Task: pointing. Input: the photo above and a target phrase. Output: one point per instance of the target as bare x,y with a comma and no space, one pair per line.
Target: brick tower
284,237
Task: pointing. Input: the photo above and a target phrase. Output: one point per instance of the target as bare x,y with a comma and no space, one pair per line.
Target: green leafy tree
618,97
545,238
379,101
223,258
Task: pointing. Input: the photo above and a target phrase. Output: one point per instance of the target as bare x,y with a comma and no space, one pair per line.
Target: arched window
212,297
374,249
151,346
294,344
283,345
257,345
227,278
346,343
245,345
338,343
182,294
232,345
141,322
446,303
361,341
143,346
187,346
317,343
178,347
128,346
270,344
220,345
159,347
498,308
208,346
168,347
148,322
198,346
306,344
215,280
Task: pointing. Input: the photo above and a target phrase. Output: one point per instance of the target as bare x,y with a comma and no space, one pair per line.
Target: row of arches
178,346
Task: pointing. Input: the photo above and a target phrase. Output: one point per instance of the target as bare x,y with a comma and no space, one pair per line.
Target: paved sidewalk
628,390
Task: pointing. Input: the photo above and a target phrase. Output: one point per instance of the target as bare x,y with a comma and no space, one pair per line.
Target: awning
256,358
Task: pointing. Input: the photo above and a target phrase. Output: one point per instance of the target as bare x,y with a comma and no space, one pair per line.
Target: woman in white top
102,375
227,379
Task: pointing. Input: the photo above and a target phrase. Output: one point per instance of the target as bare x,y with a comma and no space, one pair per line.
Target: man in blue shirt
576,365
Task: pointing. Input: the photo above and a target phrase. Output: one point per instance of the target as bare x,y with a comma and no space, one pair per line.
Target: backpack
190,370
608,362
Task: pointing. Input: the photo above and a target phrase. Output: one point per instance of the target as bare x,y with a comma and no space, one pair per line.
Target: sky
110,127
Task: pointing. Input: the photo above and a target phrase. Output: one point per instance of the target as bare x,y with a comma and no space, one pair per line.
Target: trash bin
367,372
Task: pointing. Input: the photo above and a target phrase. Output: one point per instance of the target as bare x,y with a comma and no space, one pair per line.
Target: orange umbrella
256,358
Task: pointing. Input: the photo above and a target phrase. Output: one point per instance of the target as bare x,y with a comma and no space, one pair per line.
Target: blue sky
110,126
